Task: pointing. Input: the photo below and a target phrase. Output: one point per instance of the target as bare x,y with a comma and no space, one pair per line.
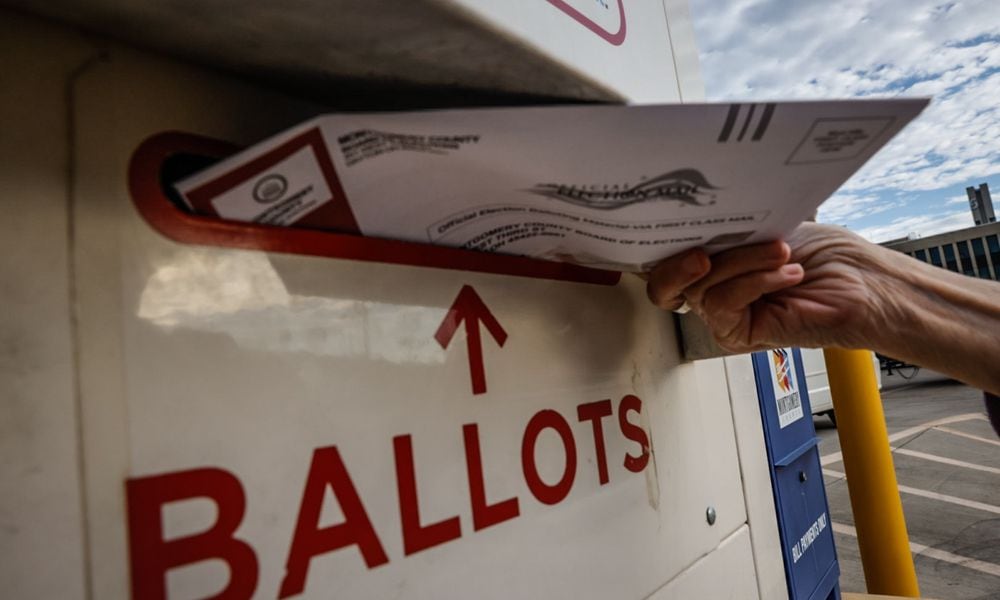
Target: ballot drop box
198,408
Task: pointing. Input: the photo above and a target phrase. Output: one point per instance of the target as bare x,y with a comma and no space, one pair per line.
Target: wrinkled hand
818,288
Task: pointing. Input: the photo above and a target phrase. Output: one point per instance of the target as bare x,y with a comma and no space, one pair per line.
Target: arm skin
826,287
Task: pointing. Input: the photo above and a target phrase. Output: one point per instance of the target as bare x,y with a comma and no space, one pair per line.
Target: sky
807,49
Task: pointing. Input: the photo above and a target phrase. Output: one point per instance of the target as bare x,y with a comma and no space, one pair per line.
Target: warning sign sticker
785,384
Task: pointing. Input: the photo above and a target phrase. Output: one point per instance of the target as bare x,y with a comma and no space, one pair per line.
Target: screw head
710,515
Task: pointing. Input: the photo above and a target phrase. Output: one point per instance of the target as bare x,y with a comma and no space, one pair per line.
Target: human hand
823,286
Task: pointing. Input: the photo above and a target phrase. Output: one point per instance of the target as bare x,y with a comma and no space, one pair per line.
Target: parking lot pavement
947,460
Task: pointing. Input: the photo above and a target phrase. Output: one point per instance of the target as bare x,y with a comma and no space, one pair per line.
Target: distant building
981,204
974,251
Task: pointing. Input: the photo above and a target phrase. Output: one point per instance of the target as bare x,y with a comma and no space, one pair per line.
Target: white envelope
617,187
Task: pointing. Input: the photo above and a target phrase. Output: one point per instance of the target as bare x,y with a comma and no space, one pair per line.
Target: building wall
974,251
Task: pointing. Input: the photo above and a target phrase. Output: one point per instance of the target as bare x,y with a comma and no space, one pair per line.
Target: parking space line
839,456
968,435
955,559
932,495
942,555
835,474
950,499
946,461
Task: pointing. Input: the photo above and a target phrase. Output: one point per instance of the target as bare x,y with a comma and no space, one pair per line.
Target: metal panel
39,477
725,573
687,63
628,47
391,53
756,474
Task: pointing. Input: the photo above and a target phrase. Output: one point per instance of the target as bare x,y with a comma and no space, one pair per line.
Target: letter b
151,556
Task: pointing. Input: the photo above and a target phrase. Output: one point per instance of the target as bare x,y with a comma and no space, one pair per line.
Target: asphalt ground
947,460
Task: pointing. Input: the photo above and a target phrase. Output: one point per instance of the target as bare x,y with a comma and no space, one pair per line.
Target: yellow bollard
871,478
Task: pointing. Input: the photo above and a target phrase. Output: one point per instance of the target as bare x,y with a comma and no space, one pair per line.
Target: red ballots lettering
152,555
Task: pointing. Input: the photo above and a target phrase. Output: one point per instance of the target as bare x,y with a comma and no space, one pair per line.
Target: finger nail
694,263
792,270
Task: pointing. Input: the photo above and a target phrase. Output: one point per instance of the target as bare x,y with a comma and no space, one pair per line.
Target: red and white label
355,534
280,195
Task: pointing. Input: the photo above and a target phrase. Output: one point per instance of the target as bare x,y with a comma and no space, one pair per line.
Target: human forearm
944,321
828,287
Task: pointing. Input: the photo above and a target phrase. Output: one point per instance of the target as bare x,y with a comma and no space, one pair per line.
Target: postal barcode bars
748,112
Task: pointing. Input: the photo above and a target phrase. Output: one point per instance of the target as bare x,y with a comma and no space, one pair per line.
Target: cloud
957,200
843,208
918,226
767,49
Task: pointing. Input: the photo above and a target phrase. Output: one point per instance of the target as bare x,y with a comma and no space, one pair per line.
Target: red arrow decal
469,307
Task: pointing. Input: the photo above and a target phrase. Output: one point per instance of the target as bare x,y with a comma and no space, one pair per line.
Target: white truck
820,400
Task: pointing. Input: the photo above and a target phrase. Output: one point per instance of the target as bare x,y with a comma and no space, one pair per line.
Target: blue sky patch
773,49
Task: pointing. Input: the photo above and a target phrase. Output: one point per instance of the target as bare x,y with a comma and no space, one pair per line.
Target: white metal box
392,52
162,387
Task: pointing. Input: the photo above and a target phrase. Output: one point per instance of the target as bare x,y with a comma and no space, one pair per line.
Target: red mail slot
148,181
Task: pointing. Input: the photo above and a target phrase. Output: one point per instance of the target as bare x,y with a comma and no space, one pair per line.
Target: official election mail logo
786,396
270,188
687,186
285,193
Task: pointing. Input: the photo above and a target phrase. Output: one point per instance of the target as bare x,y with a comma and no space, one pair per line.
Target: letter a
327,469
